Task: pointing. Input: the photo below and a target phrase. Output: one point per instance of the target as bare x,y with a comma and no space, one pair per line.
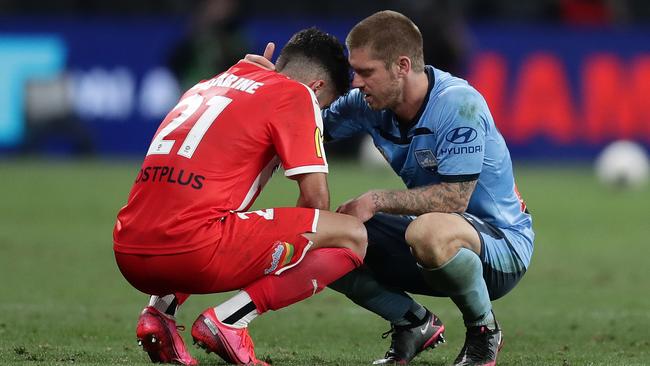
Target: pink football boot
158,336
234,345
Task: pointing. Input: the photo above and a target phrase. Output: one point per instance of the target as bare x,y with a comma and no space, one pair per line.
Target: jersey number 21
201,124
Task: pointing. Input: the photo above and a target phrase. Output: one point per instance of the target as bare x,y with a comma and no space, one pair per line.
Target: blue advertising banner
559,92
112,71
104,83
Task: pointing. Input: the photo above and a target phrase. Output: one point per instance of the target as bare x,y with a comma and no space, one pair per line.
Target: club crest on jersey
282,255
426,159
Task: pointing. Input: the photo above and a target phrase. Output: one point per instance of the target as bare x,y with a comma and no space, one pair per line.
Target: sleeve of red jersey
297,131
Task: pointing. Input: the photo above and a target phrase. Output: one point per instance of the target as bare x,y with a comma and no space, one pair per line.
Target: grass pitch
584,301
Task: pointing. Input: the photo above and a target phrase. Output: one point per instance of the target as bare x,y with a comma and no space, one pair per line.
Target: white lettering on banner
100,93
159,93
112,94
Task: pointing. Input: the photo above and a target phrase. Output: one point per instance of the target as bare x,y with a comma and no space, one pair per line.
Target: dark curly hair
321,49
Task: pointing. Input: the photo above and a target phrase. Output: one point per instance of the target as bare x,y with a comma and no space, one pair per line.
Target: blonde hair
389,34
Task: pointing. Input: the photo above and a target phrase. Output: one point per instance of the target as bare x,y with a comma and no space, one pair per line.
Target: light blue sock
461,278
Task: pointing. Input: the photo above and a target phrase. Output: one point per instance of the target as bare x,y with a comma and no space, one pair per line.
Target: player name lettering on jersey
230,81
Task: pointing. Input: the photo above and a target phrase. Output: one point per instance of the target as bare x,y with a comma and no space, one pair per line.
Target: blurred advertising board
98,82
560,92
555,92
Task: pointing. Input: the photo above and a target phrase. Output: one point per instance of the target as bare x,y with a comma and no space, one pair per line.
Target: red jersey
213,153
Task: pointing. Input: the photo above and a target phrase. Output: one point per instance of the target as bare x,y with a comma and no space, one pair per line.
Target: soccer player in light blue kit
460,229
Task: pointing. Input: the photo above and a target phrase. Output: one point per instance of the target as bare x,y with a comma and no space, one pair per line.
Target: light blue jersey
453,139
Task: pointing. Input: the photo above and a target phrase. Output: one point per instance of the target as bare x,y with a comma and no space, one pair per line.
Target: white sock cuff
162,303
231,306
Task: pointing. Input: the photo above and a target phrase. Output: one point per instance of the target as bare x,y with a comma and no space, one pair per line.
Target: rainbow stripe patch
288,253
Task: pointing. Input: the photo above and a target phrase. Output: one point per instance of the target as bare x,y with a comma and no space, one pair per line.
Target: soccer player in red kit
185,229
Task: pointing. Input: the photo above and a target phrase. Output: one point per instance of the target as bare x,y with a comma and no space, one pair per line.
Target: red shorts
249,246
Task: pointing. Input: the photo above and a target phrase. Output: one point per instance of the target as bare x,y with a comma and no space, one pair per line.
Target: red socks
319,268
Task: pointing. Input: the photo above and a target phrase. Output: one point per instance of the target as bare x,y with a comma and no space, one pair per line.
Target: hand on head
265,60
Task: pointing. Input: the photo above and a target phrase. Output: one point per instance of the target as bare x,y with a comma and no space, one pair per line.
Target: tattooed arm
442,197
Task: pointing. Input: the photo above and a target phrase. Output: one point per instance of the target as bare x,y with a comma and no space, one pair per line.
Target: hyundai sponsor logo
461,150
461,135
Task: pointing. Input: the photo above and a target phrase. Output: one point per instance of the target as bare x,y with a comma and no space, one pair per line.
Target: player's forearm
443,197
321,202
313,191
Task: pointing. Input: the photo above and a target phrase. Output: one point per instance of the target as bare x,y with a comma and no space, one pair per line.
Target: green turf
585,300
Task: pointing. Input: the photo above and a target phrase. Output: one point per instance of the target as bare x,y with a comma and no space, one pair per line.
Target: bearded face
380,85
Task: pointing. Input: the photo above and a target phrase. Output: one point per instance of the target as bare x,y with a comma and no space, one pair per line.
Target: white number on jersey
202,123
266,214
